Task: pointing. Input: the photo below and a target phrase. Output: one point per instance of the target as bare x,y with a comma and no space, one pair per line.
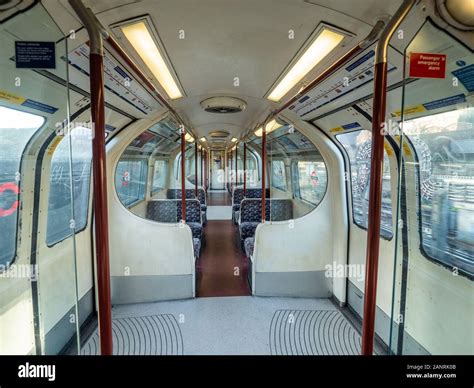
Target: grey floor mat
147,335
312,332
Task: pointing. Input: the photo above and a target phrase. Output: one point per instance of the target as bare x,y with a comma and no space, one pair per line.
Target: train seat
191,194
249,244
250,214
169,210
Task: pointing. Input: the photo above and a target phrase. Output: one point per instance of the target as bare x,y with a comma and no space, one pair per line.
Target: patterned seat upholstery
169,210
162,210
197,247
249,244
191,194
247,229
251,213
237,197
281,209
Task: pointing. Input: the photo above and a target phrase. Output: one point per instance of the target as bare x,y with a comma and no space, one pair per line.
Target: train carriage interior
237,177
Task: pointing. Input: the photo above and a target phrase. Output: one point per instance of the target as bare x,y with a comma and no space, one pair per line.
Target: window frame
285,189
296,173
422,249
6,267
349,165
143,174
166,161
52,244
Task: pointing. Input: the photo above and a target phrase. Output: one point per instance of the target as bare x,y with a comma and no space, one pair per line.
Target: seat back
193,210
237,196
162,210
190,194
251,210
256,193
169,210
280,209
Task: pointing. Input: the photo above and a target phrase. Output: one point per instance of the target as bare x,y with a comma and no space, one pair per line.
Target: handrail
376,176
96,59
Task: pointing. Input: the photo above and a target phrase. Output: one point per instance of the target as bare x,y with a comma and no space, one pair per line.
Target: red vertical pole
375,201
196,153
183,176
376,177
264,162
100,203
205,169
236,167
245,169
202,164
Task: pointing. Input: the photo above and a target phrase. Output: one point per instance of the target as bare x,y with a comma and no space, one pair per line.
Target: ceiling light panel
323,42
143,39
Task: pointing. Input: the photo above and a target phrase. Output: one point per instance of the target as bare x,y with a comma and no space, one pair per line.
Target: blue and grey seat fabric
250,214
238,196
249,244
191,194
169,210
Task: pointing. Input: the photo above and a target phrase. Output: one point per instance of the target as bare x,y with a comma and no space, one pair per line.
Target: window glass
16,129
312,181
160,172
444,144
59,199
278,176
130,180
358,146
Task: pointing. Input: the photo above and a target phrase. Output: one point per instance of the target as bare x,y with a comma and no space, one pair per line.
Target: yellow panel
410,110
11,97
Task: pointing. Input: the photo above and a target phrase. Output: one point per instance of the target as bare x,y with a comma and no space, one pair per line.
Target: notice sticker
426,65
35,55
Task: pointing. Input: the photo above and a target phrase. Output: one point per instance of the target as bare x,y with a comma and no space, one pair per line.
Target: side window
358,147
160,172
59,200
444,145
278,175
312,181
16,129
130,180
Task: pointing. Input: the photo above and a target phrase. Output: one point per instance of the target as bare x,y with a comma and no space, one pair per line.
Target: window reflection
444,144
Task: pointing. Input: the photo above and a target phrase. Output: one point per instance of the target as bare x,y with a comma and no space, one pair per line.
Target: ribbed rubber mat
312,332
148,335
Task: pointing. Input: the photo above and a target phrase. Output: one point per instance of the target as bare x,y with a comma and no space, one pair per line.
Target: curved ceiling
228,39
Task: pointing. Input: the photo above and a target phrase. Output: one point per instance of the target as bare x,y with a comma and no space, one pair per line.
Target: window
444,144
312,181
16,129
278,176
160,172
130,180
358,147
79,151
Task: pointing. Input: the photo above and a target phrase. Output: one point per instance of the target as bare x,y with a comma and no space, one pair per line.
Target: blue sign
460,63
361,60
35,55
466,76
351,125
39,106
445,102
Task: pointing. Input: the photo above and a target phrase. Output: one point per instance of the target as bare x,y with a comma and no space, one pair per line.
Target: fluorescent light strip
326,41
142,41
271,126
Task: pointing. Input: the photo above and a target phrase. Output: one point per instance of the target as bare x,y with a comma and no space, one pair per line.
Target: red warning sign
427,65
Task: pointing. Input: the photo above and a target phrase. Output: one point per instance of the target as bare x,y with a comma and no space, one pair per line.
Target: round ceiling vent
457,13
223,105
